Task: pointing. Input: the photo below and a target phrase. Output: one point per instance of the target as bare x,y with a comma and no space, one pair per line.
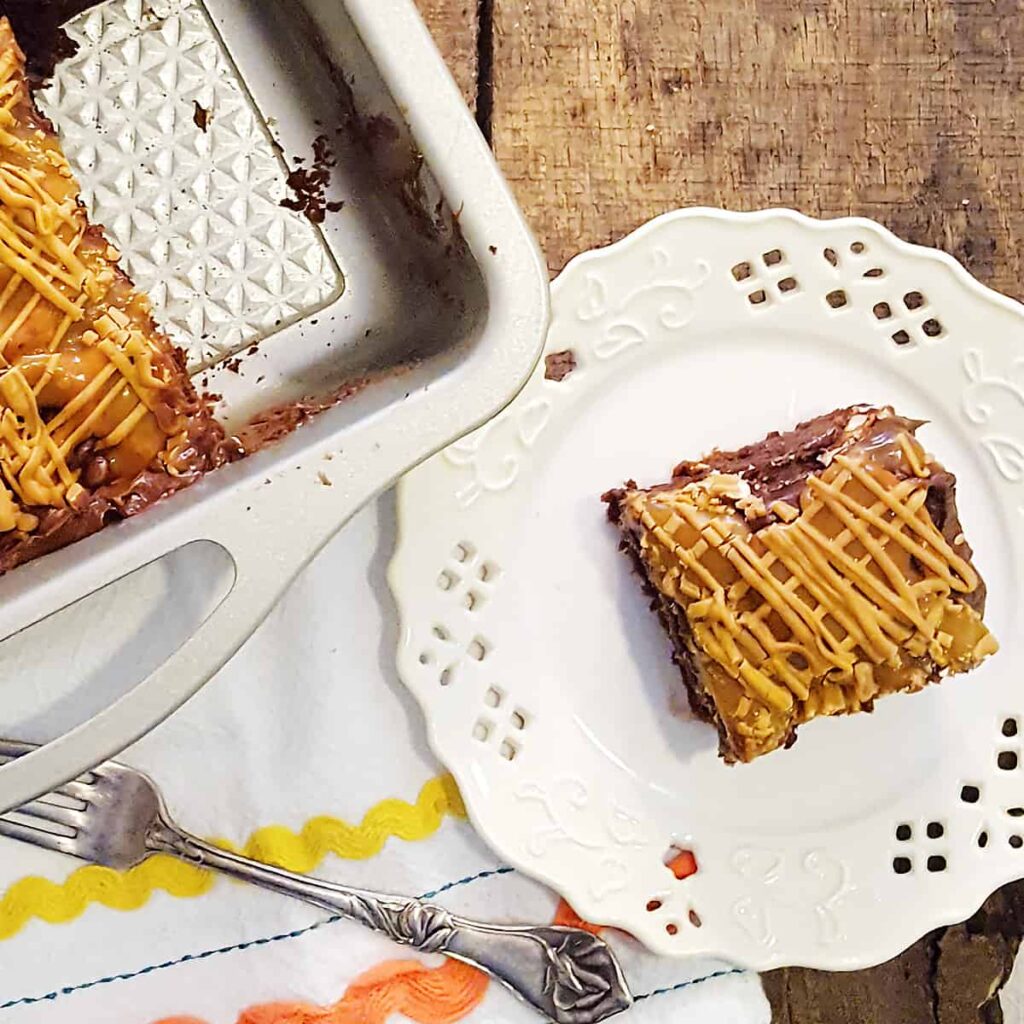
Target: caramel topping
79,357
855,593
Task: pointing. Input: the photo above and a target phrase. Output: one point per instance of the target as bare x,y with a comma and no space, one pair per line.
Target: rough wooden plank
454,25
951,977
900,990
609,111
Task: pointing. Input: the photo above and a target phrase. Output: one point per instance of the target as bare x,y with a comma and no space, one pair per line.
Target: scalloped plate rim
954,910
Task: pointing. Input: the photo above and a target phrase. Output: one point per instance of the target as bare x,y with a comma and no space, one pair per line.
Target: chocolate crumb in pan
201,117
309,184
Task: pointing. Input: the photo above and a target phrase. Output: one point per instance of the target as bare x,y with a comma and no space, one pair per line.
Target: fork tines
52,820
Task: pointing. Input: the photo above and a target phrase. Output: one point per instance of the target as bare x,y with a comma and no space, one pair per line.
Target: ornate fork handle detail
567,974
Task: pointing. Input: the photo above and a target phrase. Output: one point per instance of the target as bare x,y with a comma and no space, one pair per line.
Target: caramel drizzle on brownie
841,592
80,359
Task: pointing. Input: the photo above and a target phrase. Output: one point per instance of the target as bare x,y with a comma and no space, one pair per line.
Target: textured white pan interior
197,214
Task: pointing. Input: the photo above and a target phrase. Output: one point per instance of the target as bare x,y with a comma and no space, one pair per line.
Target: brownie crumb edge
558,365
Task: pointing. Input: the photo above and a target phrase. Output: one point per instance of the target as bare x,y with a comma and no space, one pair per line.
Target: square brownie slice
807,574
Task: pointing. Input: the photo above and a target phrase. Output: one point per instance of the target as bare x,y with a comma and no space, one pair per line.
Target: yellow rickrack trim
60,902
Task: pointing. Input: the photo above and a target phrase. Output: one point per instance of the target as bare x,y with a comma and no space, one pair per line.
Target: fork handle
567,974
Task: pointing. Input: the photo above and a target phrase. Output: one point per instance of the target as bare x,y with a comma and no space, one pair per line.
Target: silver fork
115,816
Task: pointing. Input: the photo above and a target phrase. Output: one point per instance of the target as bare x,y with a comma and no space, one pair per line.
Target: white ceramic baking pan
427,277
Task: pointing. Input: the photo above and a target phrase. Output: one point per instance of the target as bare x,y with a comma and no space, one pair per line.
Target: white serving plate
546,681
387,282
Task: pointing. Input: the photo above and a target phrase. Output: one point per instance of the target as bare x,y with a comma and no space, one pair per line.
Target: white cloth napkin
308,720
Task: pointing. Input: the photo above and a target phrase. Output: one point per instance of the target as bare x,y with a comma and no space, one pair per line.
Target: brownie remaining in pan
98,418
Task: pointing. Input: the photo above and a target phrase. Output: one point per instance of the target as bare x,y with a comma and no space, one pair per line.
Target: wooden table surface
603,113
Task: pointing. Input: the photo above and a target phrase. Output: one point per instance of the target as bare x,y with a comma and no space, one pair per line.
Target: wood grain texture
899,991
952,976
607,112
454,25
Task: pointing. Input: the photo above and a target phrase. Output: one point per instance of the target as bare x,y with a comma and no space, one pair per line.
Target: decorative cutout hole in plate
772,257
857,248
874,272
837,298
882,311
672,928
788,284
935,830
694,919
489,572
464,552
904,832
902,865
936,862
758,298
970,794
477,649
446,676
447,580
913,300
680,862
426,658
1007,760
830,256
472,601
482,730
508,750
982,840
1015,812
518,720
932,328
653,905
1016,842
1010,727
493,697
901,338
741,271
441,633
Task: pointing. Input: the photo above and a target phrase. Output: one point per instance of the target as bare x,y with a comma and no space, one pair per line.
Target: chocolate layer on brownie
807,574
39,28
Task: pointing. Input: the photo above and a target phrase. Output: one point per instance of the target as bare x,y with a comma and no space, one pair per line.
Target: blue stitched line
267,940
686,984
464,881
207,953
